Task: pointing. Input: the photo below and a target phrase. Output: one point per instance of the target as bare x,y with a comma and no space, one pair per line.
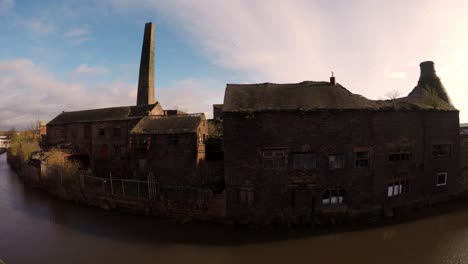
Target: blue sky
72,55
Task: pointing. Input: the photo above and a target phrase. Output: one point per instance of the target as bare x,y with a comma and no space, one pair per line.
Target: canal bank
37,228
111,194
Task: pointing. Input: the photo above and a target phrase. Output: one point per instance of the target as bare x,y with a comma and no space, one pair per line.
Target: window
116,152
441,179
116,132
101,131
441,151
336,161
104,152
396,188
246,196
361,158
333,197
401,153
304,161
58,132
172,139
87,131
74,133
274,159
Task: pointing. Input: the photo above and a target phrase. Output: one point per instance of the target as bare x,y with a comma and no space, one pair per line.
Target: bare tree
393,94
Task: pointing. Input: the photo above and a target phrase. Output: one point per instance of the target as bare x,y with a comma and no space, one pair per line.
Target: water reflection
36,228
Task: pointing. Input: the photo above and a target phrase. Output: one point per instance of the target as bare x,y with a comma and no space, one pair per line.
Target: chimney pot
332,80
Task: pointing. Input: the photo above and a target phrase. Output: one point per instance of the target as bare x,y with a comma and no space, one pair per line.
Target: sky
73,55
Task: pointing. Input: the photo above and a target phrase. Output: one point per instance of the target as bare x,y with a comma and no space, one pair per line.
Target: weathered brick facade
289,192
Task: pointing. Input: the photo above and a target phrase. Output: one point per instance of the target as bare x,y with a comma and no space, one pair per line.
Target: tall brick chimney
146,77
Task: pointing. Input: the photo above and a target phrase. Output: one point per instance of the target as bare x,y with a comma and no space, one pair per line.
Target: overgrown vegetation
22,145
61,168
434,88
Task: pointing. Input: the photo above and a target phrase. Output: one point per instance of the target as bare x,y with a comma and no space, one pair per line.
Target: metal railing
119,187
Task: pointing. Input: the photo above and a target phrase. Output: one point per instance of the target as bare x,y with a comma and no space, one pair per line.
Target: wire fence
120,187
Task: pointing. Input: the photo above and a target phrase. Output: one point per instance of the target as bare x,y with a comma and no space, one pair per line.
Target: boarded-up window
246,196
397,188
361,158
441,151
274,159
336,161
304,161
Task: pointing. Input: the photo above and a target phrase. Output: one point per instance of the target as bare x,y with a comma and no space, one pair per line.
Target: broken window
336,161
396,188
304,161
361,158
441,151
101,131
441,179
274,159
246,196
401,153
333,197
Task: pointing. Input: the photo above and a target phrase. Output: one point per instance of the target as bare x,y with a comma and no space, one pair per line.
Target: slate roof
310,95
103,114
168,124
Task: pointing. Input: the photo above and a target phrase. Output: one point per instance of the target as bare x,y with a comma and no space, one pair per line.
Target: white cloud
396,75
77,32
296,40
38,26
192,95
78,35
30,92
86,69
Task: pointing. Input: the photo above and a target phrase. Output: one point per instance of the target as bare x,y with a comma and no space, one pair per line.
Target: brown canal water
36,228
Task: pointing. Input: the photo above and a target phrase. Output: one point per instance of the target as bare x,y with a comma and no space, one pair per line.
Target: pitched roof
168,124
312,96
103,114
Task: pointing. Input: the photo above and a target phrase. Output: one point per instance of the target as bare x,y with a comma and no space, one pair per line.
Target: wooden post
112,186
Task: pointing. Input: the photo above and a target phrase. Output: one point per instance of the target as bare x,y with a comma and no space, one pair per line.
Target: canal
36,228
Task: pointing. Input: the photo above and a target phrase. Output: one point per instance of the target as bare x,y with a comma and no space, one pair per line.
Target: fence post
138,189
123,188
112,186
82,181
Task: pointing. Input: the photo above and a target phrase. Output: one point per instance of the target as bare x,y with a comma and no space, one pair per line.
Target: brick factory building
276,153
